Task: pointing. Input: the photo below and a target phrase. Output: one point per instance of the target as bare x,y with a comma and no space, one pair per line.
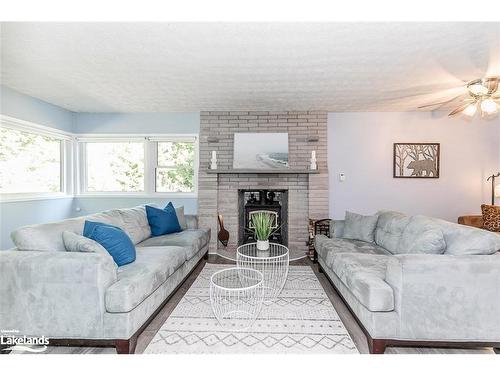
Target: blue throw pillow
116,242
163,221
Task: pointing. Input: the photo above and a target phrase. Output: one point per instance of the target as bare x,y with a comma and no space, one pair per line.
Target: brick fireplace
218,191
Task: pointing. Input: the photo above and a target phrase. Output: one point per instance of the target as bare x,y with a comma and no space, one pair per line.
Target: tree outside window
175,169
29,162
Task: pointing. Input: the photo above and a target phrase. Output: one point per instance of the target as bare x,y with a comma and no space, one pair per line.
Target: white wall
361,146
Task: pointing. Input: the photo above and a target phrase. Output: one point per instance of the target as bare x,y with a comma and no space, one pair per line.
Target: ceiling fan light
470,110
489,106
478,89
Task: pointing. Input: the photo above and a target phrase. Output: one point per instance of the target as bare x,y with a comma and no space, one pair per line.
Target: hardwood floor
346,317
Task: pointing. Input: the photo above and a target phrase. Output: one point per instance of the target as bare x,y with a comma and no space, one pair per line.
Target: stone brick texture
307,193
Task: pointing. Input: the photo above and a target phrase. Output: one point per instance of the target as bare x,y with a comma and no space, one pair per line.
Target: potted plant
263,229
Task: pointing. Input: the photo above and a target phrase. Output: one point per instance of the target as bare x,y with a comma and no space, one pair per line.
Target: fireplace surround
218,190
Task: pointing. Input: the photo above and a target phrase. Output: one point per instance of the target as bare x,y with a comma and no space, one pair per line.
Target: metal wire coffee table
236,296
272,263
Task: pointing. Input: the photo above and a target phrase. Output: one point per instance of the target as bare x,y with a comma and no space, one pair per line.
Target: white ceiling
175,67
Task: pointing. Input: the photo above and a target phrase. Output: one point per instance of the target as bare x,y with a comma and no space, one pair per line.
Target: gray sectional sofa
422,281
84,298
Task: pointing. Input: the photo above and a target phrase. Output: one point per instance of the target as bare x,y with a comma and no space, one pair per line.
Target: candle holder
313,165
213,161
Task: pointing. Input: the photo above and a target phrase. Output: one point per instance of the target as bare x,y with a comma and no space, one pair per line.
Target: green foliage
263,225
28,162
115,166
176,167
129,173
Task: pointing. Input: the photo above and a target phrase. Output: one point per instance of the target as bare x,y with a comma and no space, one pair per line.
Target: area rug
301,320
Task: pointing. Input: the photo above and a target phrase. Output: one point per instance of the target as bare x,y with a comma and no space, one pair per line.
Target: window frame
150,164
66,159
154,162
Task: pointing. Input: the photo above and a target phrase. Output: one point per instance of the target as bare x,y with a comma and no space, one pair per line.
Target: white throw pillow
76,243
179,211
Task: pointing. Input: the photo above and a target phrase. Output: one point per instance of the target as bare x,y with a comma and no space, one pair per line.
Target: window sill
139,196
26,198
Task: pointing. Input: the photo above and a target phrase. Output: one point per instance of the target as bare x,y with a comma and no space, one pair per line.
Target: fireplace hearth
275,202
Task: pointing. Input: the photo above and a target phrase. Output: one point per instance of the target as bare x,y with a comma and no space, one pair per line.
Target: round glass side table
272,263
236,296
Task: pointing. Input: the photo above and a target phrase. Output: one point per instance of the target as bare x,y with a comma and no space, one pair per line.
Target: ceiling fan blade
459,109
426,89
430,95
440,103
492,85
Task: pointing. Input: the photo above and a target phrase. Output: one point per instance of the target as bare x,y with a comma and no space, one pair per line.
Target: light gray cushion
136,223
359,227
75,242
137,280
328,248
179,211
192,239
364,275
390,227
421,236
464,240
48,237
337,228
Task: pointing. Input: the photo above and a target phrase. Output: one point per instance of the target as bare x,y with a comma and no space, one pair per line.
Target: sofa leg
126,346
496,350
376,346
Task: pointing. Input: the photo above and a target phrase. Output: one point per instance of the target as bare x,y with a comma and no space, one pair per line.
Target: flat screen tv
260,151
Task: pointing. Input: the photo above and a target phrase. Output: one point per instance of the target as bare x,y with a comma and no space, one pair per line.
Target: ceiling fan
482,94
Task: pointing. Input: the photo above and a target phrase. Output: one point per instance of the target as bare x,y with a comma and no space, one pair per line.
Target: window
175,166
32,162
150,166
114,166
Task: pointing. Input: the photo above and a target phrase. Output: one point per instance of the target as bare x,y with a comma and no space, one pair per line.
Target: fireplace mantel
262,171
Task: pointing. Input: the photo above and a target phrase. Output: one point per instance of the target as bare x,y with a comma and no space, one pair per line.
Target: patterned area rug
301,320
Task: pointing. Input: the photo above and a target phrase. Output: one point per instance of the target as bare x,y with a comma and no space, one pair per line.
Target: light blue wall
15,104
153,123
16,214
24,107
90,205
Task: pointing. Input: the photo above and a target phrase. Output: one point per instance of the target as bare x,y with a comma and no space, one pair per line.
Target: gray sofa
84,298
423,281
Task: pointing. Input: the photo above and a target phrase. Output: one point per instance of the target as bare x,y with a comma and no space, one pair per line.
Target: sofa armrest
337,228
471,221
56,294
446,297
192,221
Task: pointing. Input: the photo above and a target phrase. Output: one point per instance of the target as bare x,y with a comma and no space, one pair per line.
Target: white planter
263,245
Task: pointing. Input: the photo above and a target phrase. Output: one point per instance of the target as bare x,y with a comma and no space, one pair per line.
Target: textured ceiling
162,67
